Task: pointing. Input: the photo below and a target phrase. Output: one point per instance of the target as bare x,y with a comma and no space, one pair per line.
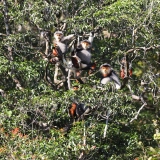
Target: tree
34,120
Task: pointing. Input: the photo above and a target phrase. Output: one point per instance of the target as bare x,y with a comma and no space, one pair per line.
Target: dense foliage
122,124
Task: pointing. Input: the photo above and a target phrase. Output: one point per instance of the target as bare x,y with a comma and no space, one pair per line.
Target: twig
2,34
139,98
47,47
142,48
63,27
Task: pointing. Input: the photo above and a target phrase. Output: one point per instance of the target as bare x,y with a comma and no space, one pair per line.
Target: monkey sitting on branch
78,111
81,58
109,75
60,45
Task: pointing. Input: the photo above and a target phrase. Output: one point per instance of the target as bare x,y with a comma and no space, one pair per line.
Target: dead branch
136,116
139,98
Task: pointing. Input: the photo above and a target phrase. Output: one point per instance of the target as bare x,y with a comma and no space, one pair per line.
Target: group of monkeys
80,60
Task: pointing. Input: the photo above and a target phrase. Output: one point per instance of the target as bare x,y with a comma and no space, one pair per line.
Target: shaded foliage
34,111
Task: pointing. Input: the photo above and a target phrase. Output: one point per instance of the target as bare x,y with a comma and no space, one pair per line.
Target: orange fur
86,45
130,72
55,52
122,73
92,68
72,110
75,88
105,70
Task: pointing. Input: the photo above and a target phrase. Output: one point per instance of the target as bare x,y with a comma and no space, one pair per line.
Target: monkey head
86,44
58,35
105,70
75,88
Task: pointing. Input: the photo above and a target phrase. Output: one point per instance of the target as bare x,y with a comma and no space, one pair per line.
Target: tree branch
142,48
136,116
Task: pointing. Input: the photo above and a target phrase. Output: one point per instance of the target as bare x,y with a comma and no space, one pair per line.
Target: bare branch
136,116
63,27
47,47
142,48
139,98
2,34
136,97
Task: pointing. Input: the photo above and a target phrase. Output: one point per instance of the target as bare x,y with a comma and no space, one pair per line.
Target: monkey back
85,56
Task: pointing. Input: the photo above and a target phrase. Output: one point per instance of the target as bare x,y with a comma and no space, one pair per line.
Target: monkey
58,56
123,73
108,75
72,110
62,41
77,111
75,88
65,129
83,51
83,65
60,45
81,57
